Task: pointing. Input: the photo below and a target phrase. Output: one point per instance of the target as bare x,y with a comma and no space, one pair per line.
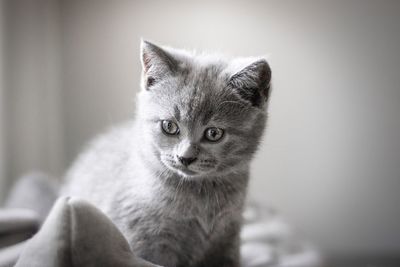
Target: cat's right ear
156,63
252,83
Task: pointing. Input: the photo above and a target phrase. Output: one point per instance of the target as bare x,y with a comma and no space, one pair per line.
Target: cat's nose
186,161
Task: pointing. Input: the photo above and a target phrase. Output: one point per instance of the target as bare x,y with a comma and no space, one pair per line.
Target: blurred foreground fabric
76,233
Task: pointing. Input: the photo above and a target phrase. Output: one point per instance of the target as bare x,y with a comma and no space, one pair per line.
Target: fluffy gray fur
176,215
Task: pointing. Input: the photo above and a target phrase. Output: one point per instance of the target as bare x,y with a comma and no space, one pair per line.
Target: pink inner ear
146,62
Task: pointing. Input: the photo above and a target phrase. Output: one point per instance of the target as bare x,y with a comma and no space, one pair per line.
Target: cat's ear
156,63
252,83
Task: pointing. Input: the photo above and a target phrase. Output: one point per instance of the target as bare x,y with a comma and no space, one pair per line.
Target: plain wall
330,159
2,117
33,127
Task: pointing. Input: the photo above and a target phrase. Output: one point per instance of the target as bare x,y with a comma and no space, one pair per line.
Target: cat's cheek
166,144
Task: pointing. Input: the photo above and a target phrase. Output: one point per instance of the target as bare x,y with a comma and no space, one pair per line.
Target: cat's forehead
200,87
205,76
197,90
208,104
198,94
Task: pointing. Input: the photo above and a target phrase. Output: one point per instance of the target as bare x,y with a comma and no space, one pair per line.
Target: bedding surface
76,233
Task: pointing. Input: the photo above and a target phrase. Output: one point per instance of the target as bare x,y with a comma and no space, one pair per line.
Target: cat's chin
186,173
192,175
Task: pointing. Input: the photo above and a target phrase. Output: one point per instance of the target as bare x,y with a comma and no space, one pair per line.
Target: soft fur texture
171,214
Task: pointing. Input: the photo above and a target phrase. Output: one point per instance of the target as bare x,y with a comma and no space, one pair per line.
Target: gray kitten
174,181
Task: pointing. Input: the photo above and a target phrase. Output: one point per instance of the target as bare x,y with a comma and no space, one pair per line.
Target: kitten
174,180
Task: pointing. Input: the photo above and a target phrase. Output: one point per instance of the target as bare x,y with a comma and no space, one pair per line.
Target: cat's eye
213,134
169,127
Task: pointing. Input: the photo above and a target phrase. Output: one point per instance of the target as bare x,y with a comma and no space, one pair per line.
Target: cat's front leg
159,254
223,254
227,260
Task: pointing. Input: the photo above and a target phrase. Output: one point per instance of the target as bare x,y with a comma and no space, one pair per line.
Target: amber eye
169,127
213,134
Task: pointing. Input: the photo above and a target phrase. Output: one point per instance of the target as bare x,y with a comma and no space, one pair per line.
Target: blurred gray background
330,160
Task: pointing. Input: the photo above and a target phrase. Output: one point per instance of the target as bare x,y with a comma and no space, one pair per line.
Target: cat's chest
191,217
158,212
154,225
184,213
147,208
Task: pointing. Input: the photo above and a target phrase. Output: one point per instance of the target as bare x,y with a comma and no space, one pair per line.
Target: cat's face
198,118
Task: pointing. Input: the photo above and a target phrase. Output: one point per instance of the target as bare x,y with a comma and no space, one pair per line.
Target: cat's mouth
181,170
185,171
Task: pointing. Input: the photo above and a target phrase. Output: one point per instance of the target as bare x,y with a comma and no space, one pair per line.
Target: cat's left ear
156,62
252,83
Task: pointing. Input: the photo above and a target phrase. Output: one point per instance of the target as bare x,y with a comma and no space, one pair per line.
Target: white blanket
267,240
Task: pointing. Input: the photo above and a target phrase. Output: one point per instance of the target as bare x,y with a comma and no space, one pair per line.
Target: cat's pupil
169,127
213,133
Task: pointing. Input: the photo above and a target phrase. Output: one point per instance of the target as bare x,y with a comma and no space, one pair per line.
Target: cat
174,179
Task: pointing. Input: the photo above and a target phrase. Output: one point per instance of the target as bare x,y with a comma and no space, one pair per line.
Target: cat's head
201,115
